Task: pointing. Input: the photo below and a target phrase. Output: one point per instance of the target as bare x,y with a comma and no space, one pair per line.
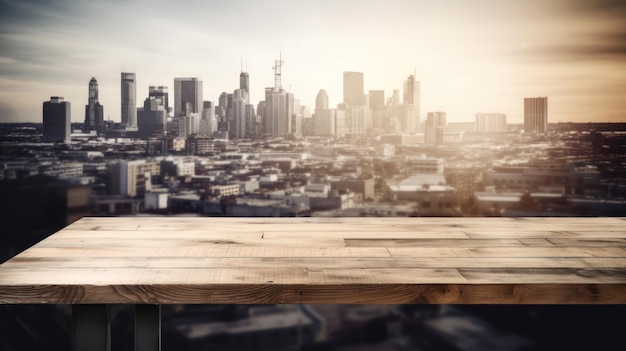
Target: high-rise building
412,94
208,122
325,122
129,100
406,117
360,120
152,118
188,125
240,124
278,106
94,112
411,91
161,95
490,122
377,98
353,89
433,129
536,115
56,121
187,96
278,111
321,101
244,82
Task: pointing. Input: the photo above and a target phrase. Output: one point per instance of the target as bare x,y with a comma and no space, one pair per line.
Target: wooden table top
190,260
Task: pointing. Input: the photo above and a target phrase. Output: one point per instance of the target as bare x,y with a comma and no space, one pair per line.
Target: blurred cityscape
368,157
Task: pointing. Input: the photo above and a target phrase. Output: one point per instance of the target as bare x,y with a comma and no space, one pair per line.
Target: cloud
584,47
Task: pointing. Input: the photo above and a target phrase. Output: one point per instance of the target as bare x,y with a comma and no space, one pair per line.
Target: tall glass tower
129,100
94,112
187,96
56,120
353,89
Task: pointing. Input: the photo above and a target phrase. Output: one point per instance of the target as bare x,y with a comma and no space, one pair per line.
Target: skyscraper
152,118
433,129
187,96
353,89
208,122
278,111
278,106
412,93
244,82
129,100
240,129
56,120
161,95
536,115
94,112
377,98
321,101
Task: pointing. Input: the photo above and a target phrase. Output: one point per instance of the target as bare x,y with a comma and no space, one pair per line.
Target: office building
377,98
278,107
161,95
56,120
278,111
188,125
129,100
412,93
132,178
208,122
244,82
152,118
94,112
536,115
239,123
353,89
321,100
187,96
325,122
360,118
490,122
433,128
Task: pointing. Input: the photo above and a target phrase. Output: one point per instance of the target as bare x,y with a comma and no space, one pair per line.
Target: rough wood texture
326,260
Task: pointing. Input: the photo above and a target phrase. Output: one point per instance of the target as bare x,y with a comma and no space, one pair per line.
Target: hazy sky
470,56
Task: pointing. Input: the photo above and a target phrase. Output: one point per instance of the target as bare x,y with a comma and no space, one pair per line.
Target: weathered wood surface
325,260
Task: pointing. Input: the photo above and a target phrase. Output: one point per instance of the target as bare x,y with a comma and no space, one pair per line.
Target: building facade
187,96
433,128
490,122
94,112
353,89
536,115
129,100
278,112
56,120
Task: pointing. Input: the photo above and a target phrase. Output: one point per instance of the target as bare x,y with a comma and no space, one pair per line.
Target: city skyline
483,57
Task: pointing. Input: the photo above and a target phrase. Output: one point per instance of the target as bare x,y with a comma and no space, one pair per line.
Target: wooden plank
206,251
432,242
545,275
328,260
395,242
546,234
341,293
148,276
508,252
312,262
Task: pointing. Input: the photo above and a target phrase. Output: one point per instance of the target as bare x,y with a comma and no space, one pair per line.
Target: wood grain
323,260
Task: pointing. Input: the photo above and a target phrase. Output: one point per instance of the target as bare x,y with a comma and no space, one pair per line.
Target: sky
469,56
